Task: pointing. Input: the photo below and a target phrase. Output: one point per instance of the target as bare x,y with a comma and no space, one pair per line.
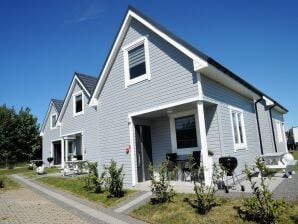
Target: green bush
161,185
92,179
261,207
2,184
205,195
114,180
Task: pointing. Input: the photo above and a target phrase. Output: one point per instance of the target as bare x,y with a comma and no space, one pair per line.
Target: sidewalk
95,213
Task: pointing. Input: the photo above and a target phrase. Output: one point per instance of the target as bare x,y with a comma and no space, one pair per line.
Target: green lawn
295,154
182,211
10,184
76,187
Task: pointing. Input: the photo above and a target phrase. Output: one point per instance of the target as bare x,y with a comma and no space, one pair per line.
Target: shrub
30,167
161,185
261,207
92,180
2,184
205,195
114,179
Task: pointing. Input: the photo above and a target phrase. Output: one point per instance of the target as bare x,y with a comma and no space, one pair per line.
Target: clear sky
42,43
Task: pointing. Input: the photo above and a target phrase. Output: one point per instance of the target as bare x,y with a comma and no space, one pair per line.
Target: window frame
75,95
238,146
279,127
184,151
126,49
51,124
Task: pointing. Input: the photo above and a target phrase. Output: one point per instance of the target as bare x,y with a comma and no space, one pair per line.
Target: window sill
78,114
53,128
240,148
137,80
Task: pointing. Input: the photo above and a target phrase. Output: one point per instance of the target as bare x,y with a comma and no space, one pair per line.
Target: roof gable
87,84
57,105
200,60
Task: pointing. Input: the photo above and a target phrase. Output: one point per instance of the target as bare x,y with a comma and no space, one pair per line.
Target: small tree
161,185
114,179
92,180
261,207
205,195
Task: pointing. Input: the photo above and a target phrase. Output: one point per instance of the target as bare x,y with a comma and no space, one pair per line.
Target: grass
33,174
182,211
18,164
76,187
10,184
295,154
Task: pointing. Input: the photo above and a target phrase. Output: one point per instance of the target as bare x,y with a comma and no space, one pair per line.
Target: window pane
235,128
79,103
186,132
240,127
54,121
137,65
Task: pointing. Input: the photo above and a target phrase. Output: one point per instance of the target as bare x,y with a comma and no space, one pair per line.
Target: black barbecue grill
229,164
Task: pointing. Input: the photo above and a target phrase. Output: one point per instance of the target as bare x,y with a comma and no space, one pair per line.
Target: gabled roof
57,104
200,59
86,82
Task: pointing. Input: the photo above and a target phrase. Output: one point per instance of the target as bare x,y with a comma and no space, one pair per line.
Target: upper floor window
53,121
78,106
136,61
238,128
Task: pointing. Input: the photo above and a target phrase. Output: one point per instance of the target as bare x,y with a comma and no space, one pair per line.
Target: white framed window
184,132
78,103
136,61
279,127
238,128
53,121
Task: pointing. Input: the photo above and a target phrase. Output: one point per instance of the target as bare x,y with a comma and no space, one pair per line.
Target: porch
67,148
179,129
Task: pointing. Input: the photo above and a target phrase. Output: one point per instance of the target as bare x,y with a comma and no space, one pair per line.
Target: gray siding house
156,95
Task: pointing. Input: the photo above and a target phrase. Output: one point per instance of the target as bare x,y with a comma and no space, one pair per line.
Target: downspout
258,123
274,141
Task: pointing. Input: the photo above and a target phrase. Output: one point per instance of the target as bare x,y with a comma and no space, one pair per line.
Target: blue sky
42,43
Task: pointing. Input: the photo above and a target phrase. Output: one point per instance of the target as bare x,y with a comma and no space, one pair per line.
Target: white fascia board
198,62
69,95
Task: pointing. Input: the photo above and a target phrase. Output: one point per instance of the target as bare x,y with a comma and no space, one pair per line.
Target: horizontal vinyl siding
226,97
48,136
212,131
86,122
172,79
161,140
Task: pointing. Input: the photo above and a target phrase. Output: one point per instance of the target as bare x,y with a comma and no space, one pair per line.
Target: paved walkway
92,213
23,206
288,189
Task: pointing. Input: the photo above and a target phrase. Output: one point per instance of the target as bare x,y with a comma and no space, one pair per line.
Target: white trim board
165,106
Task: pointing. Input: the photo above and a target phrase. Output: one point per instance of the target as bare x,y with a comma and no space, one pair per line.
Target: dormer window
136,62
53,121
78,107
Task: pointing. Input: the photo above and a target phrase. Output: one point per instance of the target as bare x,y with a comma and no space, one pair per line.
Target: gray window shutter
136,56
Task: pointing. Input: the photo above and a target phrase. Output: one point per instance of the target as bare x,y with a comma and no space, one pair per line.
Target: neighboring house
155,95
75,123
